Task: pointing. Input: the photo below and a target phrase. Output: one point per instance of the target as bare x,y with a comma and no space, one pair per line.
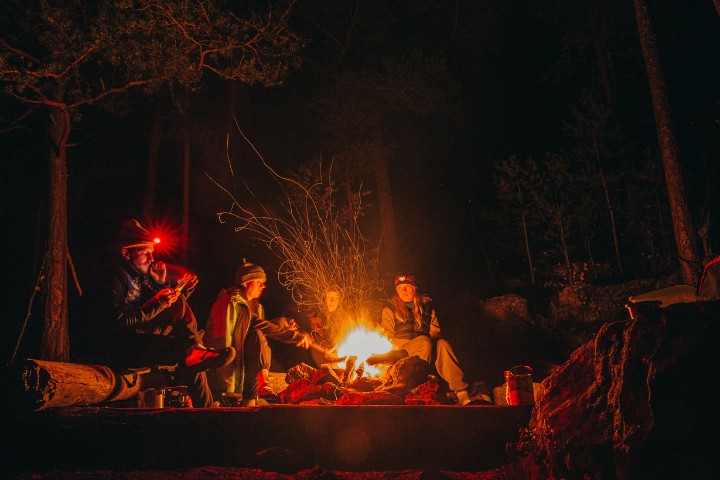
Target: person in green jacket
237,319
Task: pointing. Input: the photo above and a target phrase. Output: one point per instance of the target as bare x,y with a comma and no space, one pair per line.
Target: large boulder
638,401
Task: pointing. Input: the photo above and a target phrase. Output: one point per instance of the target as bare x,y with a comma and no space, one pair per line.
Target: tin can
159,398
519,385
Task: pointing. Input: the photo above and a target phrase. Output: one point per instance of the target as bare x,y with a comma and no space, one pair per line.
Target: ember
360,340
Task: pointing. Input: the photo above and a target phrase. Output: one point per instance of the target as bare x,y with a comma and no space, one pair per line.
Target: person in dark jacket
412,327
237,319
152,321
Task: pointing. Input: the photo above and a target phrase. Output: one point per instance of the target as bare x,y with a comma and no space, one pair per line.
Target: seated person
237,319
412,326
324,324
152,321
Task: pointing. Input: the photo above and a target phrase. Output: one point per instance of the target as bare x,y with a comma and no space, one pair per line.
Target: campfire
359,340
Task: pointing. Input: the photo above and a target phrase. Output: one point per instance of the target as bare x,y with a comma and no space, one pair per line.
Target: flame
361,339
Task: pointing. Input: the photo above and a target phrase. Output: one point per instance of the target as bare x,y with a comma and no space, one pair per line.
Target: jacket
397,329
228,325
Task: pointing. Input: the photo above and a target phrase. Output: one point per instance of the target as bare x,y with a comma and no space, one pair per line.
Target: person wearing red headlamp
413,328
152,321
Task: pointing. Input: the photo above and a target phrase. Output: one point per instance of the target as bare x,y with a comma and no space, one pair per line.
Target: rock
508,310
619,408
405,375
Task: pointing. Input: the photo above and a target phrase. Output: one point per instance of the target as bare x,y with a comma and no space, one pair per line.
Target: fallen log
32,385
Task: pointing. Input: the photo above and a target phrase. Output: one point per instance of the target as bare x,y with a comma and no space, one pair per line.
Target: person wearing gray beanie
248,272
237,318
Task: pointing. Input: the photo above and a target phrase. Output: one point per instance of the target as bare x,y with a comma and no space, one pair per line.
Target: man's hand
166,297
305,341
158,272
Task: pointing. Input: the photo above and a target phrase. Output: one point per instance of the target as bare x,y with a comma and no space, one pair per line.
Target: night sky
520,67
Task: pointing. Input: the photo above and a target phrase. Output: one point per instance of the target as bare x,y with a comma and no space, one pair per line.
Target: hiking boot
267,393
480,395
201,358
480,399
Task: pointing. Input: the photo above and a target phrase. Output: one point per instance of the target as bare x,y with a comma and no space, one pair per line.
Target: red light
165,236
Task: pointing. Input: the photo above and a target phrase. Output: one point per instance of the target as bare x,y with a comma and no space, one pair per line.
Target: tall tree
361,101
685,235
66,55
597,141
513,180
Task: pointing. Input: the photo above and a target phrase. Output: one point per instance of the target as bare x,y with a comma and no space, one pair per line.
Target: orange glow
361,339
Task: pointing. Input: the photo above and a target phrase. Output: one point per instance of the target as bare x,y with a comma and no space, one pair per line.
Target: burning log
349,369
39,385
329,356
360,371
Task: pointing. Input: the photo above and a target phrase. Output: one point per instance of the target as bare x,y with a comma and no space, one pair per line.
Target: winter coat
397,329
228,325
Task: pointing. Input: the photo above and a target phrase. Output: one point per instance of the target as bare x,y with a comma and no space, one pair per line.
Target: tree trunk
153,160
56,339
566,254
525,234
685,236
388,231
608,202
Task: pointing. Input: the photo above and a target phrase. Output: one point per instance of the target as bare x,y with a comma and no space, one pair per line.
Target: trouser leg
257,356
448,367
419,346
198,388
181,321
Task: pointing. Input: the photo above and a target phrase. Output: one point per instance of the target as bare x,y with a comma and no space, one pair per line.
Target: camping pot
519,385
151,398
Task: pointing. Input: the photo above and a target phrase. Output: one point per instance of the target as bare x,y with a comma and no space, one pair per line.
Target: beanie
248,272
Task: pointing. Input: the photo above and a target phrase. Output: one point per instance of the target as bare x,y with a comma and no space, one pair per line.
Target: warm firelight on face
360,339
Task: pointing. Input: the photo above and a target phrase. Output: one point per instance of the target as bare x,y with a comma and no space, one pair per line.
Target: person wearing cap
413,328
237,318
152,322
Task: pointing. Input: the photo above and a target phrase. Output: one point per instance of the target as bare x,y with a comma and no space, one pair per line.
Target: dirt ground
230,473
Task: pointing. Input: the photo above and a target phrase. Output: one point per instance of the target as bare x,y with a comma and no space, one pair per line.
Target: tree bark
55,339
685,235
388,231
